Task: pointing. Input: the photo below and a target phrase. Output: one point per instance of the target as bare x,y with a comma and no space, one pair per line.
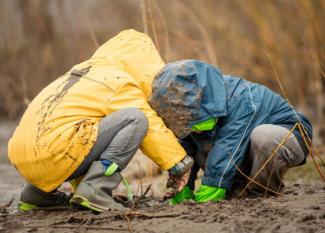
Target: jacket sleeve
191,150
160,144
232,140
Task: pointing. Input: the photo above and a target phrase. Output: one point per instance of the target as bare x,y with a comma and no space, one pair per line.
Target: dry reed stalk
318,66
310,152
203,31
309,143
269,178
147,190
317,81
312,55
165,28
140,176
144,16
8,204
135,198
185,40
24,88
153,27
270,157
250,179
257,17
299,124
93,37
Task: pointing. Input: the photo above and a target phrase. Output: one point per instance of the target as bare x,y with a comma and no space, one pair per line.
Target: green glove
208,193
185,194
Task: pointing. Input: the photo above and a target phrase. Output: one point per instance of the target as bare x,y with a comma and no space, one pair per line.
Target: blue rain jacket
189,91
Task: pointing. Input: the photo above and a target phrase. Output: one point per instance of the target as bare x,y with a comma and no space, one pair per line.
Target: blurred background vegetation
42,39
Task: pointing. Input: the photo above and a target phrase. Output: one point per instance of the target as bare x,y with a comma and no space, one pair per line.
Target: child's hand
179,175
176,183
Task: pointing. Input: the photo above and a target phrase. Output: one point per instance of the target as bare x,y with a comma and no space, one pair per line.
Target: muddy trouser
264,140
119,137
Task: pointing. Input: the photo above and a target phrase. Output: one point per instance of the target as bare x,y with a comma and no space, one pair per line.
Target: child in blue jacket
225,123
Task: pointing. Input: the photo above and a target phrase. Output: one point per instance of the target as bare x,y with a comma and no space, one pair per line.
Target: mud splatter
50,103
176,105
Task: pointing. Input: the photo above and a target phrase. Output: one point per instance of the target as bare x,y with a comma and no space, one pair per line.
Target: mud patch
176,104
301,209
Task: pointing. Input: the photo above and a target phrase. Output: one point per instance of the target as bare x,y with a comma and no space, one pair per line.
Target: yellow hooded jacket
60,125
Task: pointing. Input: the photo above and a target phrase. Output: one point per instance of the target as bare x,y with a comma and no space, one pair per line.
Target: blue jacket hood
187,92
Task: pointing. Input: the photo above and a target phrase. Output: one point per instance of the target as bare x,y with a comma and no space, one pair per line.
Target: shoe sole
24,206
83,203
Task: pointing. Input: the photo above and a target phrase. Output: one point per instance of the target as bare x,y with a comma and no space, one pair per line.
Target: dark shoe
34,198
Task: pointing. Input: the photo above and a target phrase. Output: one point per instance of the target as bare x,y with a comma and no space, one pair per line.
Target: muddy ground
300,209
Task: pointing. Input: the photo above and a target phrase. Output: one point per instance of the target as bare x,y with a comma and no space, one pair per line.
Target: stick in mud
8,204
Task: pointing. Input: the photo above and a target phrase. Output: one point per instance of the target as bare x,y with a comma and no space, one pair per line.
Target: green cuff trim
111,169
83,203
205,125
185,194
25,206
208,193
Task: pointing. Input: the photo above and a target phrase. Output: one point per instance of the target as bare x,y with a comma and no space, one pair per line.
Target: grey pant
119,136
264,140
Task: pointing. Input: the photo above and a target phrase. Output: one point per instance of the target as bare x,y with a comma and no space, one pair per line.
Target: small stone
308,217
315,207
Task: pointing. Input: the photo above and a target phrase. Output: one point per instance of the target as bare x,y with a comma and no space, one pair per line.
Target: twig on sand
140,185
146,191
131,213
67,227
8,204
150,216
128,222
137,199
137,214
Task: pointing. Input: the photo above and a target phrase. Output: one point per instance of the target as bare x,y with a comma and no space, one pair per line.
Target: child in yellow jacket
90,122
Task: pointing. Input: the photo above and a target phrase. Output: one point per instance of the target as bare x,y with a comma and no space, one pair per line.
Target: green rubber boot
33,198
95,190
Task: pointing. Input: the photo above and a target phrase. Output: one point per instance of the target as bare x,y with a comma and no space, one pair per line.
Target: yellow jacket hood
134,53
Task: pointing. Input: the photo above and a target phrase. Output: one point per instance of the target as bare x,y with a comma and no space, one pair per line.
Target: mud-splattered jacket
188,92
60,125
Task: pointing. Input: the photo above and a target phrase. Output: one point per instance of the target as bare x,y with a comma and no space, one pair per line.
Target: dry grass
303,174
41,39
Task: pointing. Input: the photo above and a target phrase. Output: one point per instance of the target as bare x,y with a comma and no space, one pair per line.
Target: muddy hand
178,176
176,183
